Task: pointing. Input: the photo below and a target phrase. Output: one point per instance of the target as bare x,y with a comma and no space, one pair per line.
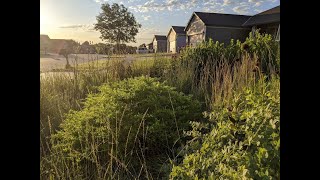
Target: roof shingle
160,37
215,19
179,29
265,17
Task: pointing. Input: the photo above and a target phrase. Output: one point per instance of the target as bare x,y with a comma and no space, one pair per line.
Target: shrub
266,49
243,142
138,121
194,72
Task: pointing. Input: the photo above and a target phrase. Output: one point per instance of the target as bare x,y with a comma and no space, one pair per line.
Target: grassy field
212,112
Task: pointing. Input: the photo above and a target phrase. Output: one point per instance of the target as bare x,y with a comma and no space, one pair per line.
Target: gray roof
265,17
160,37
179,29
271,11
215,19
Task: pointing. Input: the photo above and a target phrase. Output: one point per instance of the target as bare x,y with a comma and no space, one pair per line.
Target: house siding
175,41
160,45
181,42
225,34
171,41
195,31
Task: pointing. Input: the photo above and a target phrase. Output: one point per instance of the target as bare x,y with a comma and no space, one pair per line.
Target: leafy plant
138,120
243,142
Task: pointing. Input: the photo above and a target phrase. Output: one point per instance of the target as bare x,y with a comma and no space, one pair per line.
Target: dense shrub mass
138,120
204,60
243,143
113,120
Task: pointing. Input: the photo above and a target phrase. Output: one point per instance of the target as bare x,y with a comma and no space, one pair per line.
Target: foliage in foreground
130,125
221,78
243,142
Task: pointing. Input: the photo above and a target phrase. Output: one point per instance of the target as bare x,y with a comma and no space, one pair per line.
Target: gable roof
159,37
179,29
44,36
217,19
273,10
269,16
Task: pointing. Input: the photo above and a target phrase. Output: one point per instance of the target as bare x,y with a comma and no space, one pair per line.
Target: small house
267,21
219,27
159,43
176,39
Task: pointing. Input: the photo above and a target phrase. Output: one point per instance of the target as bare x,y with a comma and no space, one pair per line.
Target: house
57,44
267,21
150,46
44,43
159,43
176,39
219,27
224,27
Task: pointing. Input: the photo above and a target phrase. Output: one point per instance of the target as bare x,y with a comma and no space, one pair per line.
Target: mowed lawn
55,61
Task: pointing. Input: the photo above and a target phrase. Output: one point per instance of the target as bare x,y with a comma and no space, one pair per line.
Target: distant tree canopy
69,47
143,45
116,24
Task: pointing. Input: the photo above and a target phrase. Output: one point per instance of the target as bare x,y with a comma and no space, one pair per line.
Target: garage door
173,46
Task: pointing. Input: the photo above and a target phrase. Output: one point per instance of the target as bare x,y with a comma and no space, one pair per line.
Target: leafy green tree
70,47
116,24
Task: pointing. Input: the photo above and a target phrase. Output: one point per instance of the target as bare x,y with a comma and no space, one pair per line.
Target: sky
74,19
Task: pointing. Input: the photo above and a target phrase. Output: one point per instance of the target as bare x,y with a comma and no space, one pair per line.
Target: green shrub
243,141
198,67
266,49
137,121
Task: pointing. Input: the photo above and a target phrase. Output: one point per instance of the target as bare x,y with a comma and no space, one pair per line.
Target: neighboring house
218,27
44,43
176,39
57,44
150,47
159,43
267,21
224,27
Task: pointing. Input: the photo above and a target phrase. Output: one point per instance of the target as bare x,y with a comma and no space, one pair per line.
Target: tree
116,24
143,45
68,48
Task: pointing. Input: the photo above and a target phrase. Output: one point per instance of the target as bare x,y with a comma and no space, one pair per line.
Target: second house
159,43
176,39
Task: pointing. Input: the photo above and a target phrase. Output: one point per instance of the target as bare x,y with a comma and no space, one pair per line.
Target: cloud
146,18
165,5
100,1
71,26
81,27
257,4
242,9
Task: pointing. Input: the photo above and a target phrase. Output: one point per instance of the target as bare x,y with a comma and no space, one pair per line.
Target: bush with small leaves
138,121
244,140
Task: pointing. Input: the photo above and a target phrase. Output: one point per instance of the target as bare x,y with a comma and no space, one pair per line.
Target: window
278,34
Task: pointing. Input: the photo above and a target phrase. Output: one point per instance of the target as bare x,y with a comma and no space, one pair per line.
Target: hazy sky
74,19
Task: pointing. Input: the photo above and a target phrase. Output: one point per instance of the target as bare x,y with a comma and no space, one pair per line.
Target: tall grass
211,72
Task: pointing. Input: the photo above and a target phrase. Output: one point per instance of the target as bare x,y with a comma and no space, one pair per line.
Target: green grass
214,75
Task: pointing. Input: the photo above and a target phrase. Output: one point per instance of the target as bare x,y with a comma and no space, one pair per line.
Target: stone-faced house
218,27
159,43
267,21
176,39
224,27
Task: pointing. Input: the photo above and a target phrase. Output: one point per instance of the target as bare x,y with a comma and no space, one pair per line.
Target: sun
45,19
